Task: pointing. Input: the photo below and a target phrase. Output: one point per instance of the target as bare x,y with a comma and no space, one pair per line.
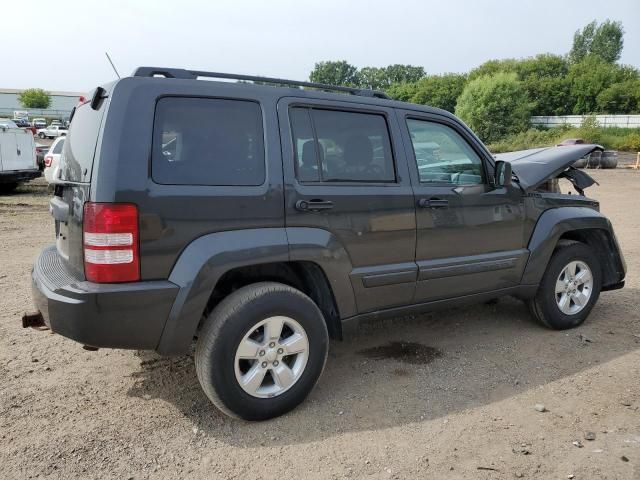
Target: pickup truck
52,131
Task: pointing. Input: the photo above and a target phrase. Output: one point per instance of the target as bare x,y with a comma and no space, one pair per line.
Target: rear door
17,150
8,149
26,151
345,172
470,234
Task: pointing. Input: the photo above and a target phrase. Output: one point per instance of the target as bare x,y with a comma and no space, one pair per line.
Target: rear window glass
58,147
200,141
337,146
80,145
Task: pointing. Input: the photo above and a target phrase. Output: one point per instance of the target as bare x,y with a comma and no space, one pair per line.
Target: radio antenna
112,65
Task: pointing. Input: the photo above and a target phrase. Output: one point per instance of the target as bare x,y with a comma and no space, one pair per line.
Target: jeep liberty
262,220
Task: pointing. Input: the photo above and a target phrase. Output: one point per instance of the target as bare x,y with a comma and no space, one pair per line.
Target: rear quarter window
80,144
202,141
58,147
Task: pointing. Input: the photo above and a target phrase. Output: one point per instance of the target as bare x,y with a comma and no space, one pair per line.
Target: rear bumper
125,315
15,176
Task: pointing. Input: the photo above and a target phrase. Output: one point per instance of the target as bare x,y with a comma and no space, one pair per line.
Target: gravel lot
460,404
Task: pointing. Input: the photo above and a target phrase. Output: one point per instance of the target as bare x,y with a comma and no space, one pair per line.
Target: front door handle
433,203
313,205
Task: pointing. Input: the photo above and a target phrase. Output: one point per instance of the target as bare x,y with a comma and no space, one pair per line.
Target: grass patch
611,138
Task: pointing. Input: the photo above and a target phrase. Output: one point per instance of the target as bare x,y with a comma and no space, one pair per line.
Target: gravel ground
458,402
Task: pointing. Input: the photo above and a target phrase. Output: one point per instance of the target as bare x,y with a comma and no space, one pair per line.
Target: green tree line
498,97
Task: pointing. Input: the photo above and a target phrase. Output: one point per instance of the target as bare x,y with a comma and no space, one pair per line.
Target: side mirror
502,174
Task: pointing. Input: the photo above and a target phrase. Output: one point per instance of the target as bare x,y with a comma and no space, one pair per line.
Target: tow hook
34,320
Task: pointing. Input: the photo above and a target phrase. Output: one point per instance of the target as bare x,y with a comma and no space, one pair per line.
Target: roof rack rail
194,74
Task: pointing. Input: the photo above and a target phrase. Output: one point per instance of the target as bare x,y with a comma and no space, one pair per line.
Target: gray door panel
470,234
374,222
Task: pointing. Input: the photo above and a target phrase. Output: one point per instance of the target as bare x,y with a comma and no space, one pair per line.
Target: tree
382,78
592,76
441,91
604,41
491,67
335,73
34,98
544,79
623,97
494,106
398,73
549,95
402,91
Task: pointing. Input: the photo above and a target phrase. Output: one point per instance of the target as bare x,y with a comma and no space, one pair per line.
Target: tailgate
73,189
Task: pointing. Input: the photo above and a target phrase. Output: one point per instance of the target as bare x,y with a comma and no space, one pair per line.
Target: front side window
339,146
442,155
200,141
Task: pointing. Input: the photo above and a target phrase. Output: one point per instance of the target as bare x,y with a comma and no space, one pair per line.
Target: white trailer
17,157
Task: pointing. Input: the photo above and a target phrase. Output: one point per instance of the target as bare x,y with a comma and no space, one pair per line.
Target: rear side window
198,141
340,146
80,145
58,148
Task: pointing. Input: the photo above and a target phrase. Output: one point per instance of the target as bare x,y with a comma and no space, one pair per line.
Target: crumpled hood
537,165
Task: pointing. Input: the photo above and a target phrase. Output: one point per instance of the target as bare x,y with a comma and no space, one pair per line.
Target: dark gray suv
263,220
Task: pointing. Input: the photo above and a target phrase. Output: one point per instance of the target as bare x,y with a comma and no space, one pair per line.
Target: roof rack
194,74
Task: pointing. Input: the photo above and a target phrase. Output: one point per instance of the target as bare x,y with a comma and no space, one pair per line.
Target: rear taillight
110,237
47,160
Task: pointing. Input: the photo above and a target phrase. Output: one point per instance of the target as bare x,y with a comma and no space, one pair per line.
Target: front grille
53,272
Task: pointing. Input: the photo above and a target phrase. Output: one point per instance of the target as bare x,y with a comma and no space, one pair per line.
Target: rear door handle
433,203
313,205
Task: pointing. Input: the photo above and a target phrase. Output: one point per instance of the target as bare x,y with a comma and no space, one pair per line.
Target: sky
284,38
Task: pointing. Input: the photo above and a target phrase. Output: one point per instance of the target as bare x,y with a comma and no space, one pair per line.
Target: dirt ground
459,404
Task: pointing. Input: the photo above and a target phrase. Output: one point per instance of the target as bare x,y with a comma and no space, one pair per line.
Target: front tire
570,286
261,351
41,135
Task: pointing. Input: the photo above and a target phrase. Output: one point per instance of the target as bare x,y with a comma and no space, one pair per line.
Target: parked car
262,220
22,122
52,160
17,156
55,122
52,131
41,151
39,123
6,123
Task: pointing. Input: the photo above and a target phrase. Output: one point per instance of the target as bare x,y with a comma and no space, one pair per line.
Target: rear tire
562,301
237,343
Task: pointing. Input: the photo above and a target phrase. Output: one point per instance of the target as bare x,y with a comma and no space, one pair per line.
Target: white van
17,156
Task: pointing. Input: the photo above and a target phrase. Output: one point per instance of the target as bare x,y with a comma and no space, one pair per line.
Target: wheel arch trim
205,260
558,223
